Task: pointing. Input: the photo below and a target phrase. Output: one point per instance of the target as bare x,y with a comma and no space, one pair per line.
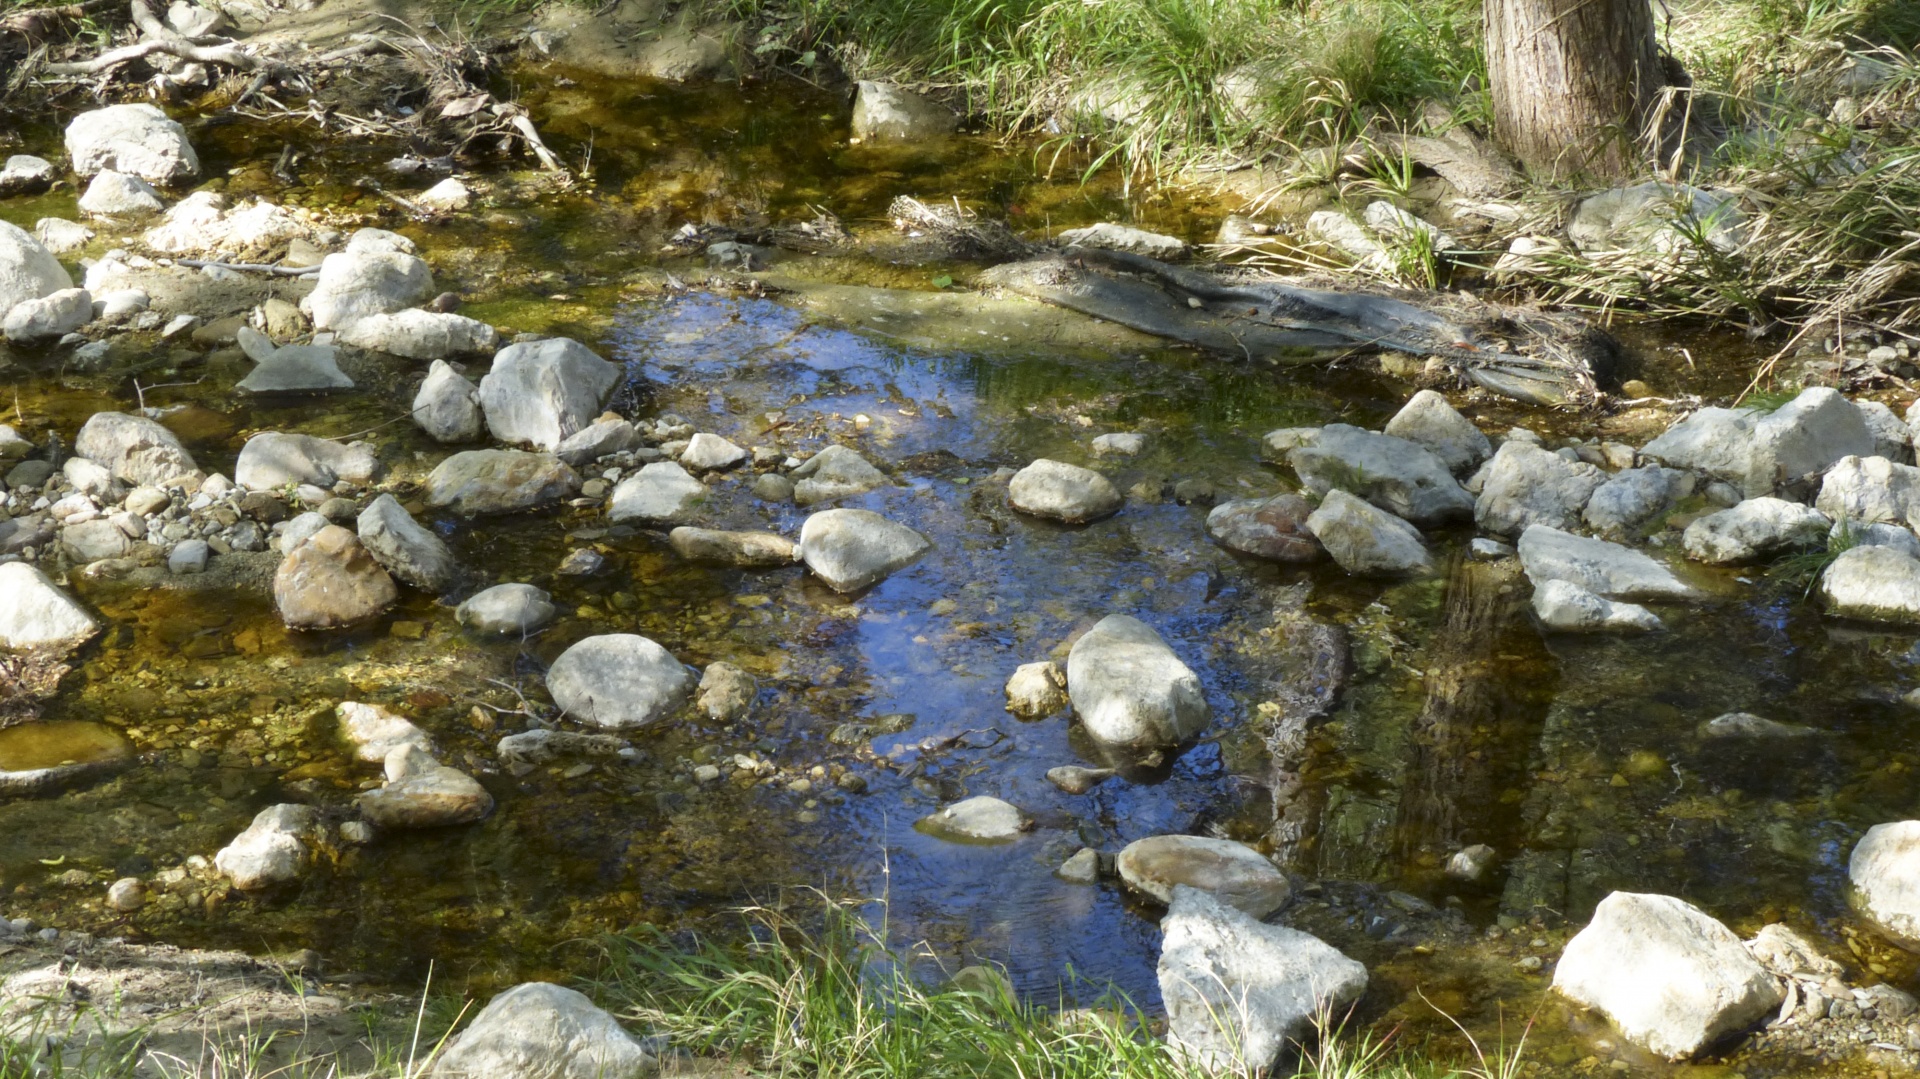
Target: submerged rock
660,493
883,112
331,581
745,550
420,792
136,139
855,549
522,752
1563,607
406,549
1755,528
1603,568
1748,725
537,1030
376,732
1130,689
137,450
506,608
977,820
28,270
1526,485
1429,420
476,482
1875,584
1885,871
1672,979
273,850
1076,779
726,692
1404,478
618,680
1063,492
274,459
1271,528
1365,539
1232,873
833,473
1037,690
1238,992
540,392
35,613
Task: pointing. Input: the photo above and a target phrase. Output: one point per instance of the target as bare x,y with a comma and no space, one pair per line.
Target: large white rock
273,459
855,549
447,407
1876,584
273,850
420,335
404,548
1763,453
540,392
1671,978
137,450
35,613
1404,478
537,1030
660,493
375,732
883,112
1130,689
1238,991
1885,871
1869,490
618,680
203,224
1526,485
1063,492
1754,529
25,174
117,194
1891,437
1603,568
1568,608
28,270
1367,540
1428,419
1633,497
476,482
835,472
377,274
50,316
1233,873
135,139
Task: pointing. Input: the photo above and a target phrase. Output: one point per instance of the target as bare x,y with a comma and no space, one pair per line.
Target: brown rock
1273,528
331,581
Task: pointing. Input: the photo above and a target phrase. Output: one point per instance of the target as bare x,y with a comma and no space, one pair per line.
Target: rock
1063,492
977,820
1403,478
1870,490
1847,534
1875,584
522,752
203,224
420,792
1755,529
298,369
1489,550
1748,725
60,236
711,453
1672,979
330,581
28,270
136,139
91,541
447,407
1119,444
1037,690
405,549
1634,497
30,474
301,529
1111,237
1366,540
23,175
137,450
273,850
660,493
1238,992
680,54
506,609
1278,444
773,487
1391,222
1603,568
377,274
1892,438
1429,420
1082,867
540,392
726,692
282,320
127,895
1526,485
1130,689
745,550
1342,233
191,20
1563,607
833,473
116,194
189,556
51,316
1885,872
274,459
446,196
606,435
375,732
1232,873
537,1030
476,482
35,613
91,479
1472,863
1657,219
1271,528
1075,779
618,680
883,112
420,335
1763,453
855,549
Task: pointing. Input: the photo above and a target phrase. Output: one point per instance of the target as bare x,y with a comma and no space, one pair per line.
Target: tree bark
1574,83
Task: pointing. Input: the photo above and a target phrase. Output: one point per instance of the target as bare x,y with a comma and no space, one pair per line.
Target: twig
251,267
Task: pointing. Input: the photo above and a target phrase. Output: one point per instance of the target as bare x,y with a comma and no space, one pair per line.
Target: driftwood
1528,355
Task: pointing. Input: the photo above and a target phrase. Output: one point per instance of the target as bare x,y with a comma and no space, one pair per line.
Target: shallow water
1580,761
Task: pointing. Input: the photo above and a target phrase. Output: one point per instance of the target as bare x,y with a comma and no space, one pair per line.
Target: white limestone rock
1366,540
1869,490
660,493
49,317
1130,689
1063,492
539,392
1874,584
116,194
447,407
1754,529
507,609
274,849
1567,608
1526,485
404,548
834,473
982,819
1108,236
855,549
420,335
538,1030
1430,420
1885,872
883,112
275,459
28,270
35,613
1603,568
1404,478
621,681
1232,873
377,274
374,731
135,139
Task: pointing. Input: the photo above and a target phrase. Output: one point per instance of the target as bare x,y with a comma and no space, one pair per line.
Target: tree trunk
1573,83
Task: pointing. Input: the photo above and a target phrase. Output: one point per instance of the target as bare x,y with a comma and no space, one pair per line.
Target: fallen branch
228,55
249,267
524,125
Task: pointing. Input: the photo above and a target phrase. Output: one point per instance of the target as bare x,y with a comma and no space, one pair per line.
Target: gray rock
711,453
1891,437
136,139
420,792
1063,492
1490,550
420,335
127,895
726,692
1525,485
977,820
1232,873
92,479
1238,992
374,732
28,270
537,1030
1472,863
23,175
30,474
660,493
745,550
833,473
1075,779
1108,236
1271,528
1277,445
61,236
1658,219
855,549
1848,534
1886,885
1403,478
91,541
1429,420
477,482
404,548
1875,584
1672,979
377,274
1870,490
621,681
447,407
1081,867
1563,607
1634,497
1755,529
273,850
301,529
583,562
298,369
773,487
606,435
540,392
36,613
883,112
51,316
1367,540
1603,568
1119,444
506,609
1037,690
1764,453
189,556
116,194
275,459
1748,725
1130,689
522,752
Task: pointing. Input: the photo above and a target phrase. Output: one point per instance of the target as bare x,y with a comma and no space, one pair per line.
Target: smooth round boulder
1063,492
621,681
1129,689
506,609
1271,528
1885,871
1233,873
538,1030
855,549
745,550
478,482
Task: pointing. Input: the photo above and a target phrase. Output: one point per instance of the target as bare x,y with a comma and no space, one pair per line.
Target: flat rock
275,459
660,493
621,681
1232,873
855,549
420,335
404,548
298,369
710,453
1748,725
1367,540
477,482
1431,421
834,473
1564,607
506,609
540,392
420,792
35,613
1130,689
90,541
538,1030
375,732
331,581
273,850
744,550
447,406
137,450
136,139
1603,568
1119,444
1271,528
1874,584
1404,478
1885,871
1108,236
1063,492
977,820
1754,529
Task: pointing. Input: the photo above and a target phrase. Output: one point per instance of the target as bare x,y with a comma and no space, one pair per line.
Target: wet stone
726,692
660,493
374,732
1063,492
331,581
1272,528
834,473
1130,689
478,482
1037,690
620,680
506,609
981,819
1233,873
744,550
855,549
